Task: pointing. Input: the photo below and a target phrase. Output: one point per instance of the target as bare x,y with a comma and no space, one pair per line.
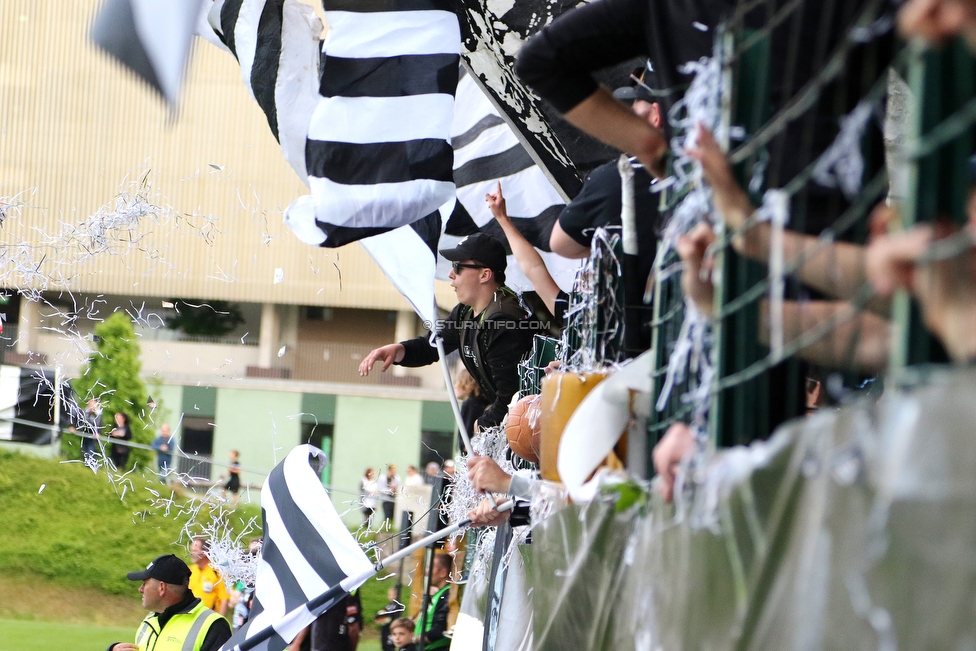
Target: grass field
64,522
67,546
26,635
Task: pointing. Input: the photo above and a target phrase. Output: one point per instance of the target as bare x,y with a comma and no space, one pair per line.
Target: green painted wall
318,408
169,410
438,417
199,401
263,425
372,432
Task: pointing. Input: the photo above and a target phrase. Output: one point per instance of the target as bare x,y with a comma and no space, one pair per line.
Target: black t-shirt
471,410
599,203
330,632
559,62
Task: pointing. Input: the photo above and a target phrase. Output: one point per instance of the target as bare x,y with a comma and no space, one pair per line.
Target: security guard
179,621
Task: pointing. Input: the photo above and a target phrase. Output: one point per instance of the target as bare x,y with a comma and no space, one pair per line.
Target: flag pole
454,405
453,396
434,537
350,583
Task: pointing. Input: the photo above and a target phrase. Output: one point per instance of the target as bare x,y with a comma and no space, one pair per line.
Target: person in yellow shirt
205,582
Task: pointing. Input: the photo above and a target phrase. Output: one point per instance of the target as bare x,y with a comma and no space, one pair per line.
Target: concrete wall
203,359
371,327
164,357
263,425
372,432
77,126
169,409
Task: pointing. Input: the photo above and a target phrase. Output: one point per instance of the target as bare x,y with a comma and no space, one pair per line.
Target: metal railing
165,334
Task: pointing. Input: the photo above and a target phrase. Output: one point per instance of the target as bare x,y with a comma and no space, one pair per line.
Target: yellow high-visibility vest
183,632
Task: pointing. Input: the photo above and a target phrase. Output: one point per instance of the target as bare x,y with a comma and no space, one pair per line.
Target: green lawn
24,635
74,527
29,635
70,537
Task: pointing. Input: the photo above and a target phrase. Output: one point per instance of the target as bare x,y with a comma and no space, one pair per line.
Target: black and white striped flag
486,152
378,151
309,559
277,43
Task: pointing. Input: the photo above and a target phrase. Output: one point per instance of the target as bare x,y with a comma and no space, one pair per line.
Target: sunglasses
458,266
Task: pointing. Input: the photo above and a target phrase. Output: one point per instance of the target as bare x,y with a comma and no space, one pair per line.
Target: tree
112,375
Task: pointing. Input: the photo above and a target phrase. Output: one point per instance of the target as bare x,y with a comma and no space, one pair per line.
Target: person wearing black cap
599,202
178,620
489,326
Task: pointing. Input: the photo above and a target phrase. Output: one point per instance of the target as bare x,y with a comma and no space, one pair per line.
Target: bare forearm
836,269
562,244
603,117
296,644
860,343
525,254
531,263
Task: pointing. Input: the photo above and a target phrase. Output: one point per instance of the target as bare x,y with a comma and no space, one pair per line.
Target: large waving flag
370,136
378,151
278,46
487,152
309,559
276,43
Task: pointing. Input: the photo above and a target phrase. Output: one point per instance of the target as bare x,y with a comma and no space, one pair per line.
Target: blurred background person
413,477
389,485
163,445
121,432
368,491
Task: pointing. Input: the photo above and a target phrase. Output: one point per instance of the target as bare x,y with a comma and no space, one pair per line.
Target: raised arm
529,260
860,343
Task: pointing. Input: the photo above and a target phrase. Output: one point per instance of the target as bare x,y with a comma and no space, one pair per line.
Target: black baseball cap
480,247
168,569
635,89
